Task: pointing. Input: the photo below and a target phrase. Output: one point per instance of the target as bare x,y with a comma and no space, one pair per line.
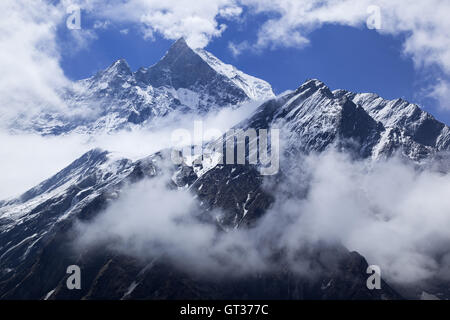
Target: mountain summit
184,80
184,67
181,67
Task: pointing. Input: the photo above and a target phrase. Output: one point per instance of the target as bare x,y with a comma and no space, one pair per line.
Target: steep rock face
36,249
161,280
35,215
36,230
183,68
312,119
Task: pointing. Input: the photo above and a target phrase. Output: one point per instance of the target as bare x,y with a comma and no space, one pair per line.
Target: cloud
28,159
196,21
391,213
424,24
388,211
288,23
161,223
441,91
32,79
237,49
101,24
29,57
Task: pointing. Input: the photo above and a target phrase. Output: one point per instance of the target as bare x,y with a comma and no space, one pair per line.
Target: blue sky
356,59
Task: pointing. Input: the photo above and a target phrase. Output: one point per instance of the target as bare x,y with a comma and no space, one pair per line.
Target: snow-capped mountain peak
120,66
184,80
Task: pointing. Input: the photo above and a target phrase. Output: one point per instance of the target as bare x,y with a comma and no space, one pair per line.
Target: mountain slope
405,124
254,88
37,248
312,119
37,228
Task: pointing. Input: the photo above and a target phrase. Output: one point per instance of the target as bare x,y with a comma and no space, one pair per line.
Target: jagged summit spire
120,66
185,67
179,46
181,67
181,41
314,82
119,69
314,85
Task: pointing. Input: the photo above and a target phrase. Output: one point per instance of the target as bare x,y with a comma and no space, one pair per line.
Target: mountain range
37,228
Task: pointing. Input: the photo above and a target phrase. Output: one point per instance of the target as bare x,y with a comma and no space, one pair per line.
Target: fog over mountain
362,180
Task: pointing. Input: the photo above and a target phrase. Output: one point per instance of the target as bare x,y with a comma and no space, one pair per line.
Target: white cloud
78,40
102,24
29,57
28,159
441,91
162,222
395,216
424,23
237,48
230,12
30,53
392,214
289,22
196,21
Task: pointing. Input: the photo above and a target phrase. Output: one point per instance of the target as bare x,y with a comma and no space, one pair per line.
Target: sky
357,59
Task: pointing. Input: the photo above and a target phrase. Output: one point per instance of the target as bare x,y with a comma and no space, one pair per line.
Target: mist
394,215
29,158
150,221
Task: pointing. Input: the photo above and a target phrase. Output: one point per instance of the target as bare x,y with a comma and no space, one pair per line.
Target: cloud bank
196,21
28,159
394,215
29,58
